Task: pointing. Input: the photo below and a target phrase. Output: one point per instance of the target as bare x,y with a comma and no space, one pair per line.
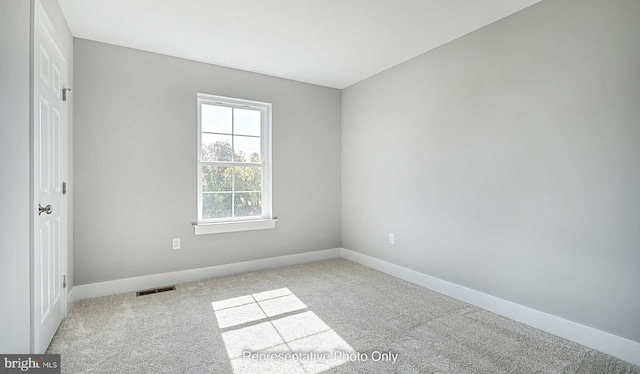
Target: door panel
49,260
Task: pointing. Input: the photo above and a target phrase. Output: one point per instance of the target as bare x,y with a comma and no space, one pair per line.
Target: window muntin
234,171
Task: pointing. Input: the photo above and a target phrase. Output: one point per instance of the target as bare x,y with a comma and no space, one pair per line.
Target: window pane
216,178
247,149
248,204
216,205
216,119
234,148
216,147
246,122
247,179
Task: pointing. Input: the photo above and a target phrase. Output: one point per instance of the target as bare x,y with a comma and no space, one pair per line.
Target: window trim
233,224
222,227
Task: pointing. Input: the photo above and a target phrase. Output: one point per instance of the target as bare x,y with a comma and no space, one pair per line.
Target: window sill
217,228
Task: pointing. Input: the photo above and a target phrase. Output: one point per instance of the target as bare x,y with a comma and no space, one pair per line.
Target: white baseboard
87,291
605,342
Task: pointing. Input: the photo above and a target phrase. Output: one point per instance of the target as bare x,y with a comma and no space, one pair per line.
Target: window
234,165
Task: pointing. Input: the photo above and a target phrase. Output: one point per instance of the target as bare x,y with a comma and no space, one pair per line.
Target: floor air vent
155,290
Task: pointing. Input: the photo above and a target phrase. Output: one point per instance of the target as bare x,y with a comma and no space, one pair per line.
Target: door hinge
64,93
64,281
64,188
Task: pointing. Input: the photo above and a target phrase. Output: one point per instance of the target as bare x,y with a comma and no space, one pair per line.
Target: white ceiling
333,43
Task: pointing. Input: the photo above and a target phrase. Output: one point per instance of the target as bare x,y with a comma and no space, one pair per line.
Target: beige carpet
331,316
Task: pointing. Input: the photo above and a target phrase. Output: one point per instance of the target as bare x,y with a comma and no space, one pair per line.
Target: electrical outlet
176,243
392,239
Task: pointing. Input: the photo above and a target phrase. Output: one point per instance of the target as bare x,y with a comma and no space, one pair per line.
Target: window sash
264,164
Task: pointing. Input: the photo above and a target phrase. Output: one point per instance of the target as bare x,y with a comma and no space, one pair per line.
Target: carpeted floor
331,316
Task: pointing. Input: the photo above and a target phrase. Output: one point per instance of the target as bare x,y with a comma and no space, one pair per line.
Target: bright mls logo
30,364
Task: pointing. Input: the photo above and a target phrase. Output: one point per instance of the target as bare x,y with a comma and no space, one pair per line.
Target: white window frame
232,224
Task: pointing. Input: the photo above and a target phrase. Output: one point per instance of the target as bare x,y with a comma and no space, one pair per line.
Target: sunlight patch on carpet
274,332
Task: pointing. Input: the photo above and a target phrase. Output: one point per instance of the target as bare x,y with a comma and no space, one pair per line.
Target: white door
49,169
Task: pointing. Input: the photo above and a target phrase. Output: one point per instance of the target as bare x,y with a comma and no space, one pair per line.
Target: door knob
47,209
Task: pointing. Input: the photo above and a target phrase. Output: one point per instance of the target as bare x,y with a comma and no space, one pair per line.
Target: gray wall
15,297
508,160
135,164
